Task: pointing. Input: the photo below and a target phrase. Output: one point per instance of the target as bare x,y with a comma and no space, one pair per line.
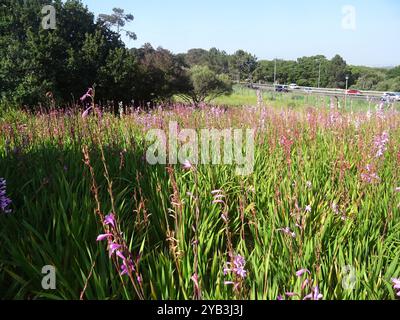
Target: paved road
365,95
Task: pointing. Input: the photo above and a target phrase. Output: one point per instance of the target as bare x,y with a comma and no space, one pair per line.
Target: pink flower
86,112
88,94
102,237
119,254
127,267
314,295
288,232
113,247
237,268
110,220
380,144
302,271
195,280
218,201
370,176
218,197
187,165
396,286
308,209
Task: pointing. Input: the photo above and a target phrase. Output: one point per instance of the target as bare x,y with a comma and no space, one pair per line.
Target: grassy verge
312,202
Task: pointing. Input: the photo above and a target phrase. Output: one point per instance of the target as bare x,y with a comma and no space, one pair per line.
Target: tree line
41,67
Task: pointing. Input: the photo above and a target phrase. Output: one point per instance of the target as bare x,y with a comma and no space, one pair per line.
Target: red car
354,92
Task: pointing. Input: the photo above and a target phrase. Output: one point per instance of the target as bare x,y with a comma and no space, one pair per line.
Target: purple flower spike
113,247
288,232
396,286
124,270
218,197
127,267
236,268
119,254
302,271
396,282
240,263
187,165
102,237
4,200
381,142
110,220
195,279
88,94
315,295
218,201
86,112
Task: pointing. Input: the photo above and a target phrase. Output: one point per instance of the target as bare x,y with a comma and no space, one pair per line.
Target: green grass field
321,197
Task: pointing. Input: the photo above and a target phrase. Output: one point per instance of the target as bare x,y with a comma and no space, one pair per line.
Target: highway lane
374,96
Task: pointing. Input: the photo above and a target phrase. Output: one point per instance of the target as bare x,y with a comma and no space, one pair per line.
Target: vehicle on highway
294,86
397,97
354,92
281,88
308,90
389,97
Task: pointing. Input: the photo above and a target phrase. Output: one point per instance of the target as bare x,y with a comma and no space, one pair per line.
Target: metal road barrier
365,94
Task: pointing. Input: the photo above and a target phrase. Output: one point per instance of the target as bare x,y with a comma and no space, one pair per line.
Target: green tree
264,71
367,78
65,61
118,77
391,85
311,70
337,72
394,72
196,57
242,65
205,84
218,61
162,74
118,19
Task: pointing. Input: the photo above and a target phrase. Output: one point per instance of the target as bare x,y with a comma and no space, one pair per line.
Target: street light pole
275,72
319,74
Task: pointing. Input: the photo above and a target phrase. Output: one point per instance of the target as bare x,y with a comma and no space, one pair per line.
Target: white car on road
389,97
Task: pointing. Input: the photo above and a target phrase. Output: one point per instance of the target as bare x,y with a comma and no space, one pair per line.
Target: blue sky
285,29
